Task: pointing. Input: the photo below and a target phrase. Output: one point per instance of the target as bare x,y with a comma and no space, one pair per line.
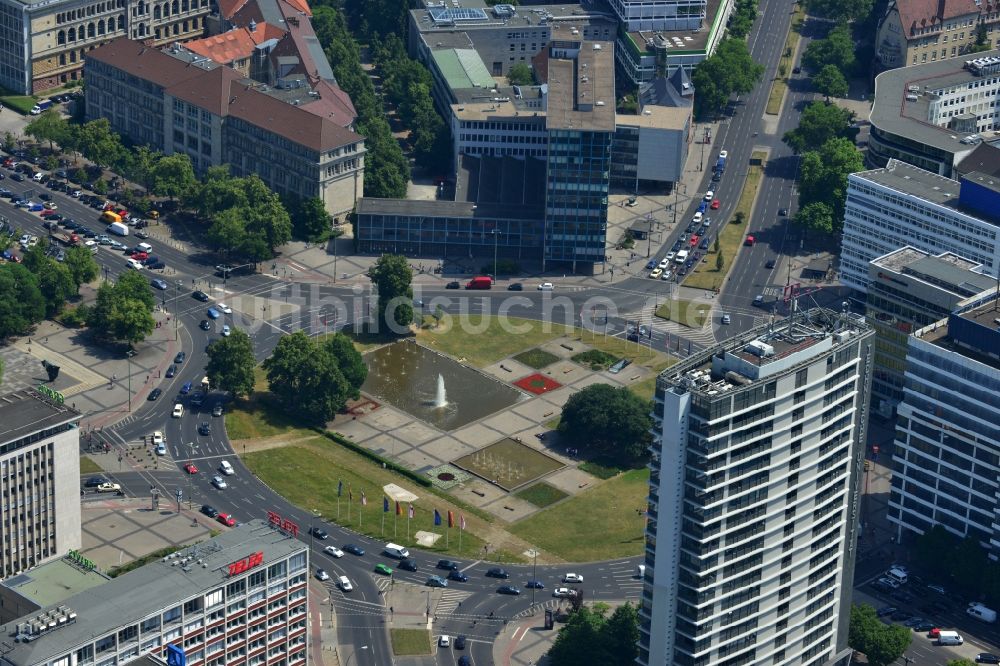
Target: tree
729,70
133,285
819,123
264,214
81,265
123,310
882,644
622,634
840,10
21,302
231,364
836,49
305,379
173,176
830,82
392,276
48,126
310,221
824,175
961,662
520,74
608,420
228,230
580,641
349,360
56,284
816,216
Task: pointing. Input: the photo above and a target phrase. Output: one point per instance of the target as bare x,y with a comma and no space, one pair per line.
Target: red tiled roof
302,6
225,48
229,7
209,91
144,62
916,14
333,104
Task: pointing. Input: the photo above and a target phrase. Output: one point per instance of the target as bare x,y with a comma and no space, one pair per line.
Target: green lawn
88,466
647,386
599,470
705,275
541,494
536,358
410,641
599,523
307,474
596,359
687,313
258,417
20,103
483,343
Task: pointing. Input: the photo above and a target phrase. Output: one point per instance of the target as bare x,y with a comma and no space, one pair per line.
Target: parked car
209,510
226,519
154,394
453,285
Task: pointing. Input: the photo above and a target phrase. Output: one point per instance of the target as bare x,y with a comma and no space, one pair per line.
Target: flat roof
892,112
28,411
987,315
462,68
533,16
679,42
946,270
582,90
506,102
54,582
103,609
459,209
657,117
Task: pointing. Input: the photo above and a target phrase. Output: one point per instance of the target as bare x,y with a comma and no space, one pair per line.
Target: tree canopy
608,421
248,218
729,70
819,123
307,377
840,10
21,302
231,364
824,175
124,309
830,82
882,644
82,266
393,276
521,74
742,18
590,637
836,49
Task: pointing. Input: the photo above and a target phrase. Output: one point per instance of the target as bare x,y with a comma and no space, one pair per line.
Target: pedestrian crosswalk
450,601
542,606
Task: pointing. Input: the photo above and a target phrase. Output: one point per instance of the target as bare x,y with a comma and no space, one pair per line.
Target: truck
66,237
118,229
720,166
981,612
41,106
682,256
480,282
110,216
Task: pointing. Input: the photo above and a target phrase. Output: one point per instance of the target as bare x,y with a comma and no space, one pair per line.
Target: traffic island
779,86
686,313
409,642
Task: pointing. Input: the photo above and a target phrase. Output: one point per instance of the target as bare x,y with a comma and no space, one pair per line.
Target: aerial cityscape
473,332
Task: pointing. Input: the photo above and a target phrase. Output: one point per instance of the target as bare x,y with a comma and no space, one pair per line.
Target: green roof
462,68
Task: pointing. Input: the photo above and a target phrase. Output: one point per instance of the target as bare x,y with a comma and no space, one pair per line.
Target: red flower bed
537,383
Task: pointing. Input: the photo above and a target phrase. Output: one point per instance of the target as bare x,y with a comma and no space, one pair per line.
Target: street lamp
129,354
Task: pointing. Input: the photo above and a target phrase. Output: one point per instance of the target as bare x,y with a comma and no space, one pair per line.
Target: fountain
440,398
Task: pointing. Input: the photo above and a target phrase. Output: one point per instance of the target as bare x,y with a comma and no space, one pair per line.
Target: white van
898,574
981,612
950,638
397,551
226,468
640,571
145,247
682,256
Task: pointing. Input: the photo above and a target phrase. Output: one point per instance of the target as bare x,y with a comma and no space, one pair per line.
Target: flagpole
460,540
383,523
361,515
338,507
394,514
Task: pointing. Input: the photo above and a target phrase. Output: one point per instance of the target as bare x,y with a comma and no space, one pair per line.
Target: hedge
371,455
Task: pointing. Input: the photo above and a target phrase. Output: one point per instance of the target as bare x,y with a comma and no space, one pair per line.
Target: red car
715,205
190,468
934,633
140,256
46,212
226,519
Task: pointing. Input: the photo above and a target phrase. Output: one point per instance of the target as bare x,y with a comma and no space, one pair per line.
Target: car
95,481
715,205
171,370
161,449
987,658
709,195
546,286
459,576
154,394
49,205
465,660
322,575
205,325
226,519
408,565
782,212
515,286
460,642
656,273
217,410
200,296
132,263
186,388
157,437
572,578
226,330
219,482
667,274
448,565
213,313
344,584
454,284
758,301
383,569
796,70
770,263
444,640
204,428
924,627
726,319
508,589
197,399
191,468
888,582
179,358
140,256
158,284
497,572
886,610
562,592
333,551
723,154
651,264
436,581
118,245
18,177
108,487
178,411
141,234
354,550
209,510
319,533
535,585
224,308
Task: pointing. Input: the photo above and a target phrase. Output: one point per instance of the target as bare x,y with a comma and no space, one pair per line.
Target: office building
39,479
177,102
946,457
753,497
934,115
912,32
239,598
901,205
44,44
907,290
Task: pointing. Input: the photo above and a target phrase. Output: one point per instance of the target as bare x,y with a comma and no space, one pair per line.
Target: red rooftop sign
247,563
282,524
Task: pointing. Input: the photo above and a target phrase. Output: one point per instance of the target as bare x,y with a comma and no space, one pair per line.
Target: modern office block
946,460
753,500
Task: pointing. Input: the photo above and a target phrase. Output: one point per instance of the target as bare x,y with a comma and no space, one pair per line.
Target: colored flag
437,517
340,488
410,514
461,521
399,509
364,500
451,518
385,504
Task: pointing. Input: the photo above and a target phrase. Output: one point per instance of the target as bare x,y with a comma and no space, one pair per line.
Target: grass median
484,341
609,509
706,275
779,86
410,642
